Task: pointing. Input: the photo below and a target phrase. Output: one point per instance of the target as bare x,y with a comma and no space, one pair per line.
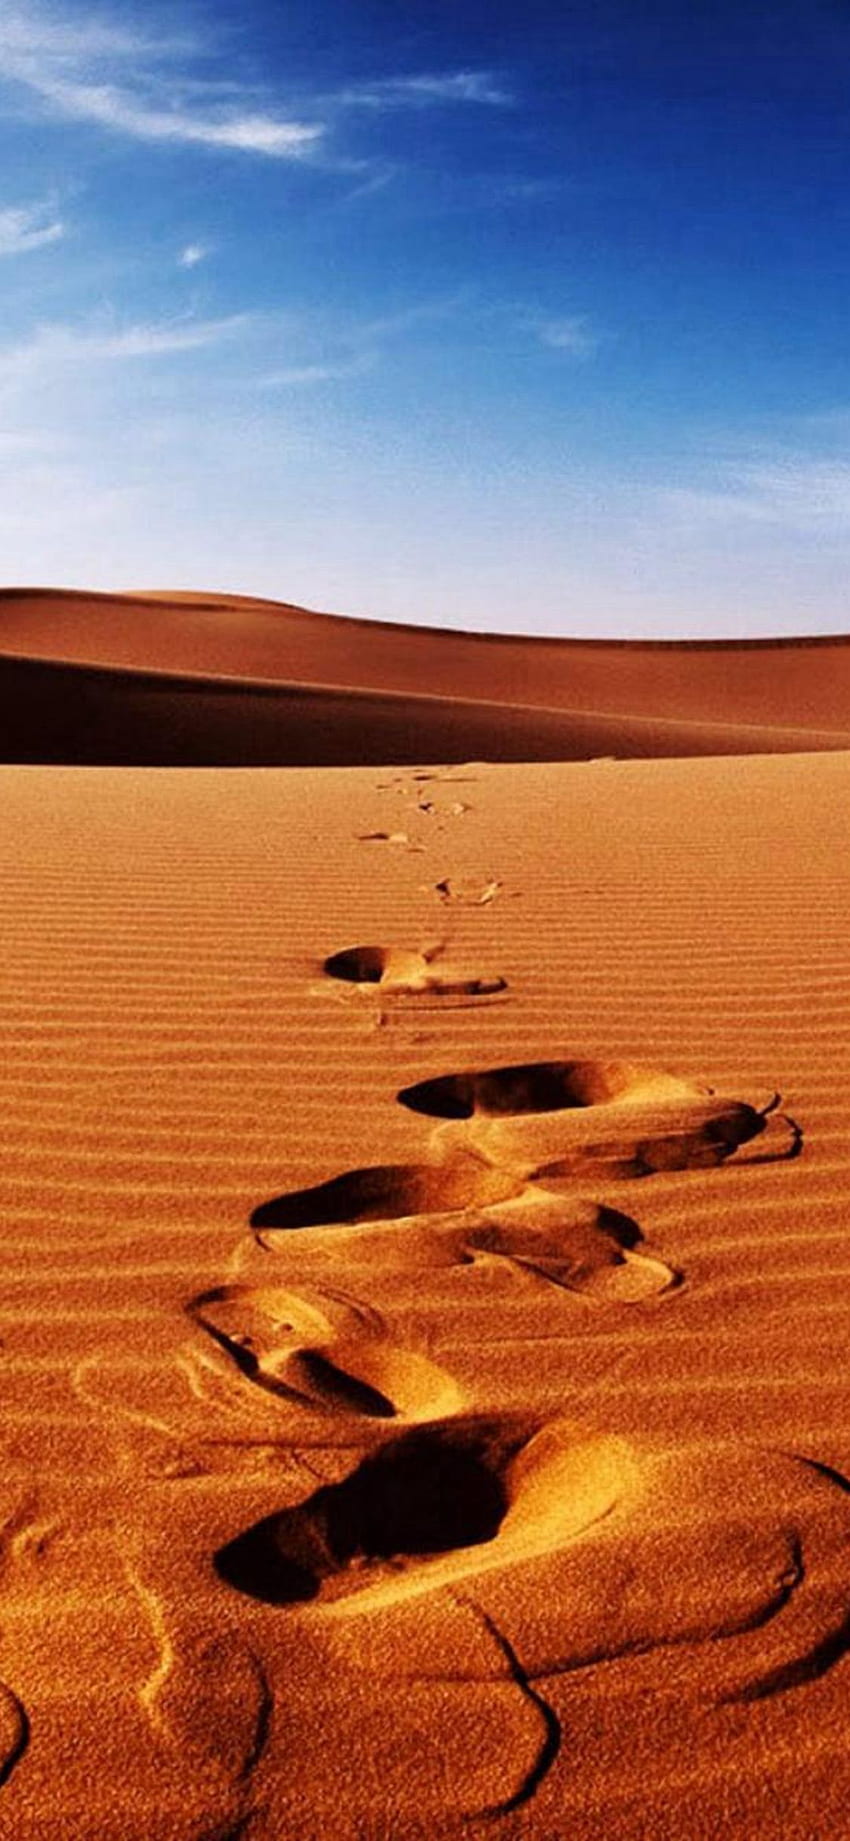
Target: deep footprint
734,1553
430,1492
567,1543
560,1120
579,1246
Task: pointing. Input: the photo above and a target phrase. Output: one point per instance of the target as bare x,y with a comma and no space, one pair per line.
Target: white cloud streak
81,72
60,347
26,227
119,109
427,91
128,83
299,375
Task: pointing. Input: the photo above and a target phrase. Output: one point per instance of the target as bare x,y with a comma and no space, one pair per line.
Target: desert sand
425,1305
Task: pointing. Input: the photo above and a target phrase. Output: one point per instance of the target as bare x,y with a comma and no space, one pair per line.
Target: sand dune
424,1278
182,680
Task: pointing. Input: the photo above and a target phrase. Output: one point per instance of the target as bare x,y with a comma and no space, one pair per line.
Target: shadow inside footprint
382,1192
324,1380
540,1086
358,964
428,1492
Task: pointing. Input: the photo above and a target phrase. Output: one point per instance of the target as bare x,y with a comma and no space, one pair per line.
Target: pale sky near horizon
524,319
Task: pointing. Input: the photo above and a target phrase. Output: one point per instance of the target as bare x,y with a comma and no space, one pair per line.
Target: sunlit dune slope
191,680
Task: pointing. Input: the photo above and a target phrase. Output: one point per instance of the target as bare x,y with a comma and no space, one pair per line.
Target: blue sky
523,318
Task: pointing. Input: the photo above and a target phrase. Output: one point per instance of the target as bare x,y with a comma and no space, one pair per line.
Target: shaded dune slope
185,680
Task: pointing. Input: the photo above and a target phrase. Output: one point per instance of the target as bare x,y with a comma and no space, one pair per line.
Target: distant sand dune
179,680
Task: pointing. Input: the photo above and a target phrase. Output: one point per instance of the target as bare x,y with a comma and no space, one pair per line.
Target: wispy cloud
802,492
192,254
430,90
169,90
57,347
376,181
573,335
299,375
120,109
26,227
269,350
26,31
123,82
325,353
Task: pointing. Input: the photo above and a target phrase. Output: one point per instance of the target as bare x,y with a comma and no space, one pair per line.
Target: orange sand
425,1296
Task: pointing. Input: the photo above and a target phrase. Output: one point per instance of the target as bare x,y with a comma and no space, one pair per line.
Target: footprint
221,1704
399,972
432,809
558,1120
333,1353
424,775
469,891
441,1490
466,1214
578,1550
445,778
399,838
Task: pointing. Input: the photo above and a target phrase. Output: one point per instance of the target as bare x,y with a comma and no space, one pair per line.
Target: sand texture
155,680
425,1306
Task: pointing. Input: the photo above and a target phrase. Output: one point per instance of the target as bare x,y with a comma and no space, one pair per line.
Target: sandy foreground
425,1307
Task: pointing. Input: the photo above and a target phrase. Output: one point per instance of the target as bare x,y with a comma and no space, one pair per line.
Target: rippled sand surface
424,1309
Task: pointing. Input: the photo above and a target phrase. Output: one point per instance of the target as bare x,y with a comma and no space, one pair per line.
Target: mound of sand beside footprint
424,1308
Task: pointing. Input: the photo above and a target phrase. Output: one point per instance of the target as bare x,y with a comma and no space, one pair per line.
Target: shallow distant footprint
401,840
329,1352
401,972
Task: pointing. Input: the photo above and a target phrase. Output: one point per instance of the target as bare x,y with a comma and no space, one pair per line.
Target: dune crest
161,679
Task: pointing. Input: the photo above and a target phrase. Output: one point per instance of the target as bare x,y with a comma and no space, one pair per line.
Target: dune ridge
182,680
